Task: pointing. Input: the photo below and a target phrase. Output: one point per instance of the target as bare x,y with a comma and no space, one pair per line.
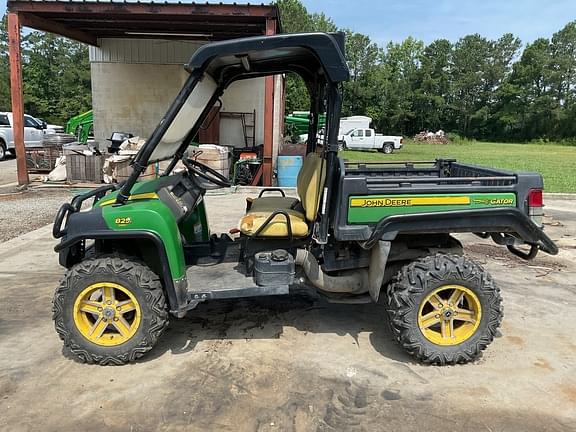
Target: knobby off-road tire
132,287
414,289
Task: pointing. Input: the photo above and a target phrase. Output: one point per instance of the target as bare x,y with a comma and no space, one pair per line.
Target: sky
394,20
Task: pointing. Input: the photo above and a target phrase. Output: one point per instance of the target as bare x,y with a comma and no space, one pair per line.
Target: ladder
248,121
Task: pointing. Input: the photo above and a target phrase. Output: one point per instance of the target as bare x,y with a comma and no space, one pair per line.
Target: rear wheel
109,310
2,150
387,148
341,145
444,309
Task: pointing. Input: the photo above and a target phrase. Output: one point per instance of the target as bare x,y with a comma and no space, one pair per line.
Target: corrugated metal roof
90,20
146,2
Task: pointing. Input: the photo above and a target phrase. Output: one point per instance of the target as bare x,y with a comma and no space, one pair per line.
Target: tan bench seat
310,185
277,202
278,227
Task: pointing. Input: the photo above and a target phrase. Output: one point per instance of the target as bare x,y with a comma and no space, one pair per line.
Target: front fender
149,220
152,216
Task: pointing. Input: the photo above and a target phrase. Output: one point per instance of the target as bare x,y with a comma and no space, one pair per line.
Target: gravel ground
27,211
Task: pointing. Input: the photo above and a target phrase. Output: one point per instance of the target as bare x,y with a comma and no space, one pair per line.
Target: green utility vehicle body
354,230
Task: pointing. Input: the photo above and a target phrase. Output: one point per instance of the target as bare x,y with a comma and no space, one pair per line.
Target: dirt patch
495,252
570,392
516,340
543,364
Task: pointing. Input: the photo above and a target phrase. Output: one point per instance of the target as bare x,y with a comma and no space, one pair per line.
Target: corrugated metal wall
153,51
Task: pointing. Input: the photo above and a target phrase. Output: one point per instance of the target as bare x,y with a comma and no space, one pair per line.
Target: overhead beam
180,21
17,96
38,23
265,11
218,36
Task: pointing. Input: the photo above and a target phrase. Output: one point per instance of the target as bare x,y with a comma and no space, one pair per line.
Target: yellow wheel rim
107,314
449,315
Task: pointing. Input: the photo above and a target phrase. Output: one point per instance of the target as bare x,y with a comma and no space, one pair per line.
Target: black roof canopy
308,54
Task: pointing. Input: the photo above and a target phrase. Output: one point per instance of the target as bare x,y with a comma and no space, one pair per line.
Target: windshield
185,119
31,122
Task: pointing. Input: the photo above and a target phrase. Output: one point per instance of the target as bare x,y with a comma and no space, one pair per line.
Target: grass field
556,163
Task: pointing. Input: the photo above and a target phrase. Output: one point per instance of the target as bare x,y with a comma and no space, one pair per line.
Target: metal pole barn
88,22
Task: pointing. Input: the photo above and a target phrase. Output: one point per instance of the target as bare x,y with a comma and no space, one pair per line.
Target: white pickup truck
34,132
367,139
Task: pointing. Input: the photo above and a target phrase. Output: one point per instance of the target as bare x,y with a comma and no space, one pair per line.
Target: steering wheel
205,172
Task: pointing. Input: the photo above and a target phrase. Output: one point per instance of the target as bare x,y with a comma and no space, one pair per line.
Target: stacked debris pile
117,168
428,137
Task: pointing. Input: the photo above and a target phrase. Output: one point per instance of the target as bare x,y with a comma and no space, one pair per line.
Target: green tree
321,23
563,80
4,66
525,104
362,57
432,86
470,60
396,77
295,19
56,76
537,99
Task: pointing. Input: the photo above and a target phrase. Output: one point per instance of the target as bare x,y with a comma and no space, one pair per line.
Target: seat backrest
303,180
314,188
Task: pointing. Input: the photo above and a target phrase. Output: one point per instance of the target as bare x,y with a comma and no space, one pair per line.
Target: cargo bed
382,199
442,172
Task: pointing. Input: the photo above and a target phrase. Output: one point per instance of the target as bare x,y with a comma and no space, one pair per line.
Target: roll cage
317,57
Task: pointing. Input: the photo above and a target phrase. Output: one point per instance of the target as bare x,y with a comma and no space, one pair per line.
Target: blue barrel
288,169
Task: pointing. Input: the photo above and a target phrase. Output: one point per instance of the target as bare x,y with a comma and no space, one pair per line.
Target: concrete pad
294,363
8,171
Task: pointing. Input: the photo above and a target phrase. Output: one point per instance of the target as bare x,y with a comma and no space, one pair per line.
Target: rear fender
497,220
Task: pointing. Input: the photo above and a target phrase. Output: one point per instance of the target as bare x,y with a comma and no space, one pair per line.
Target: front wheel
444,309
387,148
109,310
2,150
341,145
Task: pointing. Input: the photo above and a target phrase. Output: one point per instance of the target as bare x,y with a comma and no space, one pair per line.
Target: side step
224,277
229,293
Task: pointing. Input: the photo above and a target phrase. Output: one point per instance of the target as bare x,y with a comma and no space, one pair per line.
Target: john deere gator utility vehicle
356,232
